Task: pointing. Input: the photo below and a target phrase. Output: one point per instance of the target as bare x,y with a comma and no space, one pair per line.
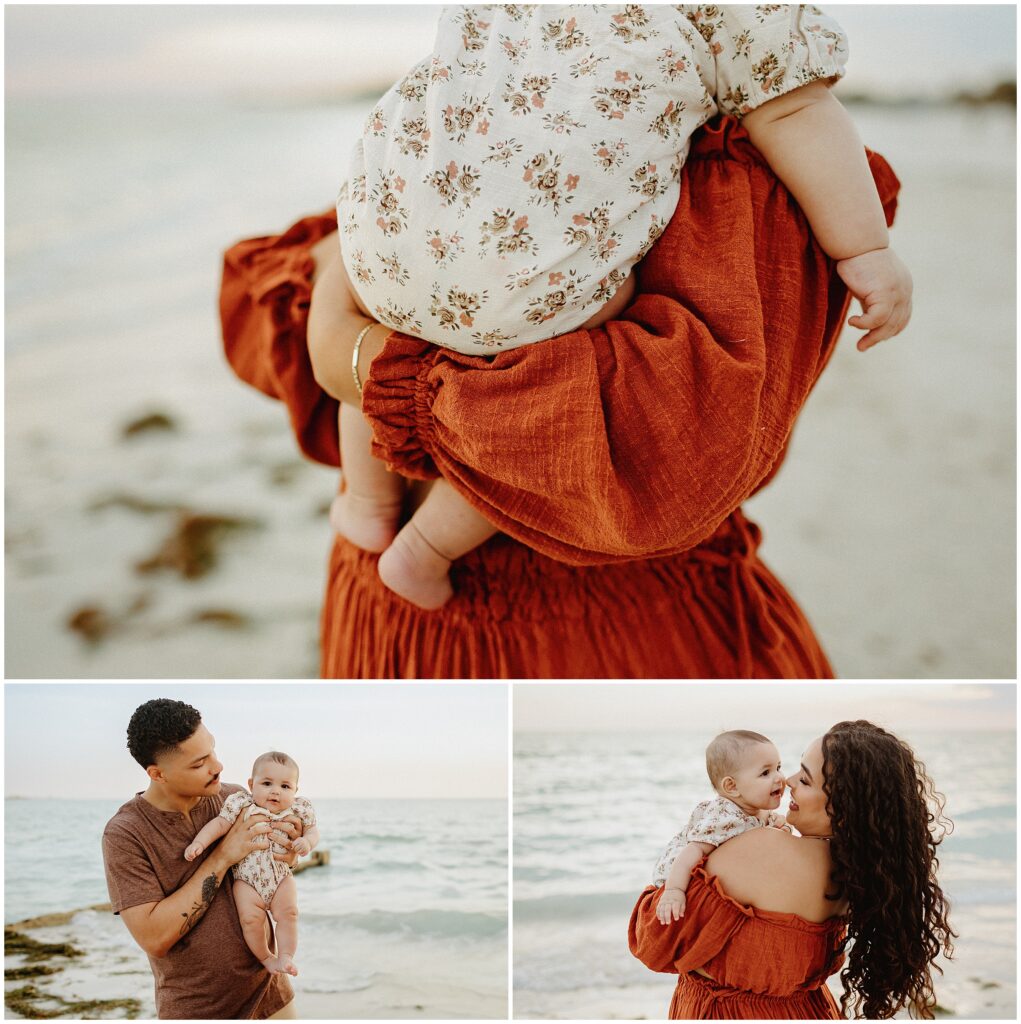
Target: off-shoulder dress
613,460
763,965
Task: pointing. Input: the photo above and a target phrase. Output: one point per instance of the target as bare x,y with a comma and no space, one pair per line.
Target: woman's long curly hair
887,821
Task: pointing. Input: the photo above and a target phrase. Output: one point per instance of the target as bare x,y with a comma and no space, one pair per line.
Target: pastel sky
708,708
282,51
351,740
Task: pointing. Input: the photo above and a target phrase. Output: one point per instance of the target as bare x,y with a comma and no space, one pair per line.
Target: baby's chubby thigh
284,905
249,902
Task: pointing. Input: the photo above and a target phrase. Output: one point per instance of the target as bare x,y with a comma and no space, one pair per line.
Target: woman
769,915
614,460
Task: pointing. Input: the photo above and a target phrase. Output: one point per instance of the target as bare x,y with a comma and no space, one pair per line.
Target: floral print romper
504,188
259,869
714,822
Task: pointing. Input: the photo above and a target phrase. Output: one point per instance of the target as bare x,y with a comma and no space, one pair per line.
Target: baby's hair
723,753
279,758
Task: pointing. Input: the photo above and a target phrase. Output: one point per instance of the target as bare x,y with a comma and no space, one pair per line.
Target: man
180,912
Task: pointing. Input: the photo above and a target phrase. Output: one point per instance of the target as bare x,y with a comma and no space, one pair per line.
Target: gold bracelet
355,354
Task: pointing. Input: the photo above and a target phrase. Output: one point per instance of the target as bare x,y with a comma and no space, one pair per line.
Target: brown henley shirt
210,973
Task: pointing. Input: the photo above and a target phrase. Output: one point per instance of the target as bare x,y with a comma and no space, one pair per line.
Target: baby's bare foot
282,964
416,571
369,523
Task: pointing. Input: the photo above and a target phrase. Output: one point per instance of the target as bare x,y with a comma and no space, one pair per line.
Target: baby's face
274,786
760,782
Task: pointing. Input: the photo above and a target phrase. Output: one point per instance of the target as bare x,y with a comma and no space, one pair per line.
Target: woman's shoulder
772,870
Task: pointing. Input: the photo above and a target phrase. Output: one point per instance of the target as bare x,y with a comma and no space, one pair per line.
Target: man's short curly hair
158,726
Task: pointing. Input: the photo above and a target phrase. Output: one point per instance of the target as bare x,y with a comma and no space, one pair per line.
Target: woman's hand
334,322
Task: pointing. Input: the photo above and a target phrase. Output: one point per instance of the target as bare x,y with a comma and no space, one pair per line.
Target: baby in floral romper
744,768
503,191
263,885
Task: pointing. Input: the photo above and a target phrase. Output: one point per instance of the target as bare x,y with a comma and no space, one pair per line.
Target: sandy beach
194,545
109,979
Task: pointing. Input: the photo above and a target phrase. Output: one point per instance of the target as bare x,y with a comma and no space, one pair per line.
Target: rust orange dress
614,460
764,965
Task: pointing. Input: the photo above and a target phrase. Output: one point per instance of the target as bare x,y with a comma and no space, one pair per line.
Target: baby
263,885
744,768
502,192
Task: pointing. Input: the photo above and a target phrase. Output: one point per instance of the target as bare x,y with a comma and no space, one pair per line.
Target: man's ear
155,773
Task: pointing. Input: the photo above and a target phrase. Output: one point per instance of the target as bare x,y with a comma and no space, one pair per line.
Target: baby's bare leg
252,914
368,511
284,909
417,564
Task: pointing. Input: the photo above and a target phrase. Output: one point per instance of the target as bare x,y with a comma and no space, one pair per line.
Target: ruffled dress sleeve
637,439
711,919
740,946
760,52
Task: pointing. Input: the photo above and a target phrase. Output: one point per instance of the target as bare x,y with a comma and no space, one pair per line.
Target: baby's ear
250,786
728,784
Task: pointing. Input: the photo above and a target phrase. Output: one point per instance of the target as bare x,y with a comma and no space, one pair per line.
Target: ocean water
592,814
416,888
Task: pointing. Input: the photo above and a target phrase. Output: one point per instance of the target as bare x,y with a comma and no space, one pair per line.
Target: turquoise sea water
417,882
592,813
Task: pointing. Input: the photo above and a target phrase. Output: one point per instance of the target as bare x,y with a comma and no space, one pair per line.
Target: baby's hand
671,905
193,851
301,847
882,284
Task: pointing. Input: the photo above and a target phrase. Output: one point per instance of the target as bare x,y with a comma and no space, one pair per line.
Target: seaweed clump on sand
158,421
34,971
192,546
29,1001
18,944
25,1002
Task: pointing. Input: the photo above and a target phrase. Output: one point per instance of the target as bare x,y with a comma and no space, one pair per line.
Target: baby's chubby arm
671,903
812,145
209,833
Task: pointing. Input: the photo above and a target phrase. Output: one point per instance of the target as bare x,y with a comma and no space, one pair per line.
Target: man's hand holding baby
286,832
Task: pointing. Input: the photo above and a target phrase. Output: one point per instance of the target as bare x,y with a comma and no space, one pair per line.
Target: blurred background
159,520
407,919
605,775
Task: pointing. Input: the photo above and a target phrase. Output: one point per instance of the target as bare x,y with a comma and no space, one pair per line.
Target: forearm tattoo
209,886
